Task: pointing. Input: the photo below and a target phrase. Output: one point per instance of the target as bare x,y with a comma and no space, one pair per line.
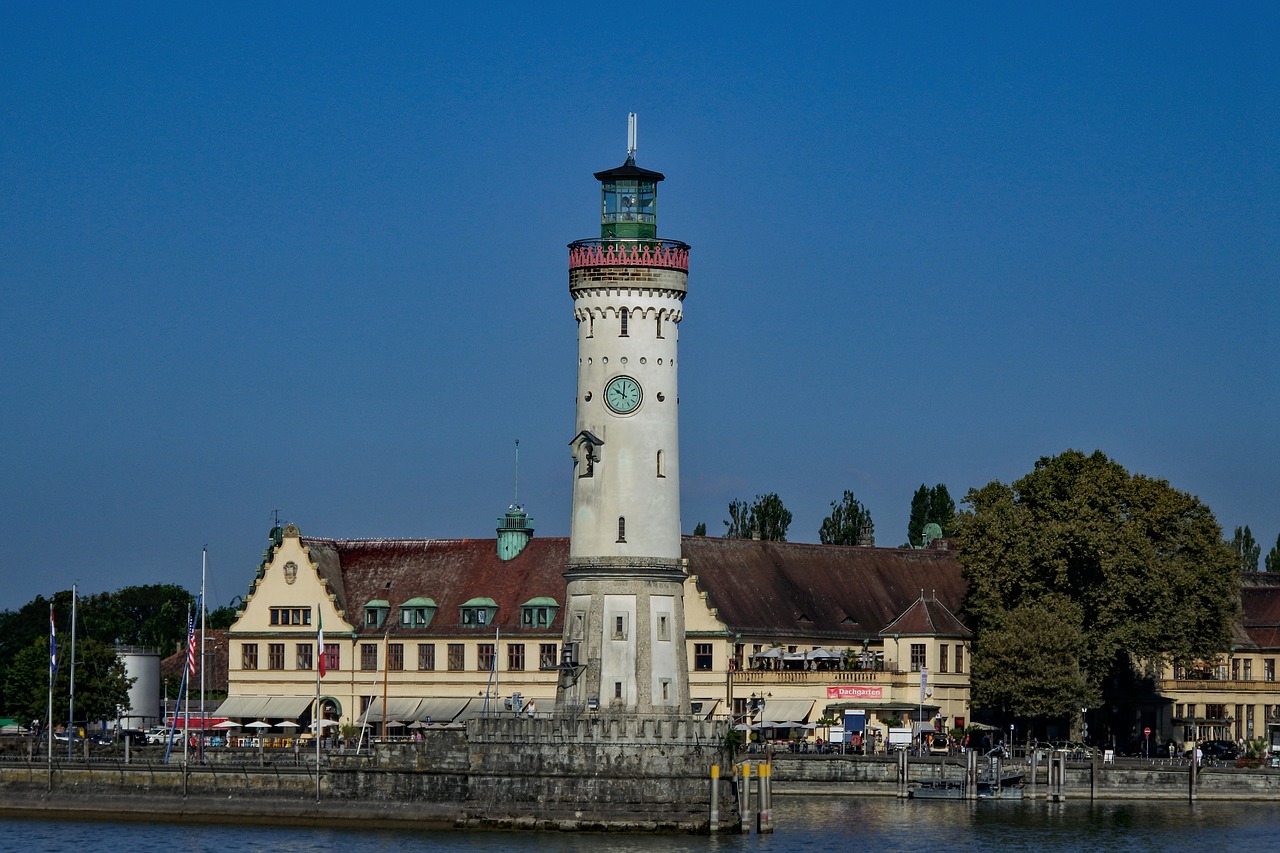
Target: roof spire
631,137
516,503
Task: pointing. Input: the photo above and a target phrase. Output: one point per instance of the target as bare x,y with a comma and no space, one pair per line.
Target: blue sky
310,257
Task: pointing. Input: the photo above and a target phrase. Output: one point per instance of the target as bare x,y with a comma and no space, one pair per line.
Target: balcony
660,254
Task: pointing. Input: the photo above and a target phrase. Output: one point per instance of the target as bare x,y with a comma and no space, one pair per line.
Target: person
1199,755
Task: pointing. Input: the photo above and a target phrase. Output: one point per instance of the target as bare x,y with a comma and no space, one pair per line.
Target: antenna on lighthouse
517,484
631,136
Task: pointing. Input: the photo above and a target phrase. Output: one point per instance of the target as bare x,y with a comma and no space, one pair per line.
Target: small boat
1009,788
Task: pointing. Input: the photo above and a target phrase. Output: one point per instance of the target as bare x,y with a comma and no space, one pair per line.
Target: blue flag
53,645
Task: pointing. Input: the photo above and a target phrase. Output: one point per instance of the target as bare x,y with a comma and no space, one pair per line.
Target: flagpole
53,671
186,716
315,716
71,700
204,716
386,667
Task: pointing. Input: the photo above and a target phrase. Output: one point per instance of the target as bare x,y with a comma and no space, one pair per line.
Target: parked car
161,735
1217,750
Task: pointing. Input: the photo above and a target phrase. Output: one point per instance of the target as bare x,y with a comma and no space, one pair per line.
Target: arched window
623,328
622,529
661,473
659,325
591,325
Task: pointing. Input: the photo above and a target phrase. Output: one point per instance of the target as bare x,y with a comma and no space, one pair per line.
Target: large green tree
1029,665
1141,564
849,523
930,506
1247,550
101,682
1273,557
766,518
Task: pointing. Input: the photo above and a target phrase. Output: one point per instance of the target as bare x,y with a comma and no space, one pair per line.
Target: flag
53,646
320,641
191,644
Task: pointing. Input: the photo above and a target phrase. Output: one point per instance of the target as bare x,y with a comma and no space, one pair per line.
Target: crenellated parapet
659,254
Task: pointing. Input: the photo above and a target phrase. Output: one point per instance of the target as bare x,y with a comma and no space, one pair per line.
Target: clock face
622,394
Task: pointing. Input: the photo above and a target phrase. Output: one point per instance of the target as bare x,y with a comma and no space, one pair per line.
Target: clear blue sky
312,258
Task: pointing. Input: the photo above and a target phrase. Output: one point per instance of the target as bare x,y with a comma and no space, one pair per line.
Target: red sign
1146,732
855,692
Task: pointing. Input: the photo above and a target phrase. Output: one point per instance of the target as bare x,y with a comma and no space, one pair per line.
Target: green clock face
622,394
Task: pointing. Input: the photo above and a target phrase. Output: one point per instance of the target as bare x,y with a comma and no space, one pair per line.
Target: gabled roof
926,617
452,572
840,592
825,592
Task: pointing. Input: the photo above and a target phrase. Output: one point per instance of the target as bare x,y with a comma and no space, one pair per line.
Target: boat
1008,788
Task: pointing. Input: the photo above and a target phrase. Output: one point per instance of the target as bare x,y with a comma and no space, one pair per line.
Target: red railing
662,254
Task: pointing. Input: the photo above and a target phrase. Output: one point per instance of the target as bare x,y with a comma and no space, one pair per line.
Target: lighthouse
624,634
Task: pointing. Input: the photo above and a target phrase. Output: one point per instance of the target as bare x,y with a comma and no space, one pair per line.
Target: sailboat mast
204,717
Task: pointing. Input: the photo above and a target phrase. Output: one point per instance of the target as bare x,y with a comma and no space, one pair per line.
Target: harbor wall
580,773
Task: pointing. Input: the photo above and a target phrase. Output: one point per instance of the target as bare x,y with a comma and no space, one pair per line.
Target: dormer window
416,613
478,612
375,613
538,612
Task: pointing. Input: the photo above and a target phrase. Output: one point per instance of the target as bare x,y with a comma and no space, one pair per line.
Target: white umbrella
769,653
227,724
289,724
257,724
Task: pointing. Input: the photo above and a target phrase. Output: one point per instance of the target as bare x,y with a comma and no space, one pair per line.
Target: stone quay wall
877,775
593,772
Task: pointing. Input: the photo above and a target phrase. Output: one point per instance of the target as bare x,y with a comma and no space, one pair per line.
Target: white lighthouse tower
624,640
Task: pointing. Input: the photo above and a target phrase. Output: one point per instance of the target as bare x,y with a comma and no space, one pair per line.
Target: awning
781,713
263,707
397,709
703,708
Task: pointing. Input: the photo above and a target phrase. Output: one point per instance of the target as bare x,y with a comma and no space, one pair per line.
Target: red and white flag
320,641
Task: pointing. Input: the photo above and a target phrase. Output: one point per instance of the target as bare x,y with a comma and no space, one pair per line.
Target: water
811,824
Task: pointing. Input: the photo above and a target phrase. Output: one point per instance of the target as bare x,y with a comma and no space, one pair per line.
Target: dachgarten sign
855,692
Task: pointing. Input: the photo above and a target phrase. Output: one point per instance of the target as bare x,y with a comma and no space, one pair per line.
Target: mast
204,717
53,671
71,700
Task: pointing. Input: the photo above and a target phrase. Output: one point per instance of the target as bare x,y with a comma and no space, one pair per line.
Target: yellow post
715,798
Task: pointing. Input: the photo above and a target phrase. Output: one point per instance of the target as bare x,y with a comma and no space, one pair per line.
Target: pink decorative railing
663,254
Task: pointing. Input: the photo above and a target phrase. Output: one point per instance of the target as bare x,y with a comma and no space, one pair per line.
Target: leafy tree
1027,663
701,529
1273,557
1141,564
101,682
1247,550
930,506
767,518
222,617
849,523
154,616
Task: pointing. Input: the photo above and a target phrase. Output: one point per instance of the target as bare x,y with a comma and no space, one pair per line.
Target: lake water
811,824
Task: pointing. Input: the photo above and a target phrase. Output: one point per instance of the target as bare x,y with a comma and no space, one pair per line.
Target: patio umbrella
227,724
259,725
289,724
769,653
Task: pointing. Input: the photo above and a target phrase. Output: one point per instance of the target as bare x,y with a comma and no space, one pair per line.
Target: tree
930,506
222,617
1247,550
154,616
1142,565
767,519
701,529
849,523
1029,664
101,682
1273,557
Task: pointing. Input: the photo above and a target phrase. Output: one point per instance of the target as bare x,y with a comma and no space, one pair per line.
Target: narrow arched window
623,329
659,325
591,326
661,473
622,529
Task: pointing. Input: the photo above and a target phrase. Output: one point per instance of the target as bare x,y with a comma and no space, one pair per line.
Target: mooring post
744,798
971,775
714,816
902,772
765,782
1191,793
1095,768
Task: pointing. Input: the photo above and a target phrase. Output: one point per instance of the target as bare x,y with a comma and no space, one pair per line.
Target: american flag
191,645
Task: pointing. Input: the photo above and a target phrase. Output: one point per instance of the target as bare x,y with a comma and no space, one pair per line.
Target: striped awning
781,713
263,707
